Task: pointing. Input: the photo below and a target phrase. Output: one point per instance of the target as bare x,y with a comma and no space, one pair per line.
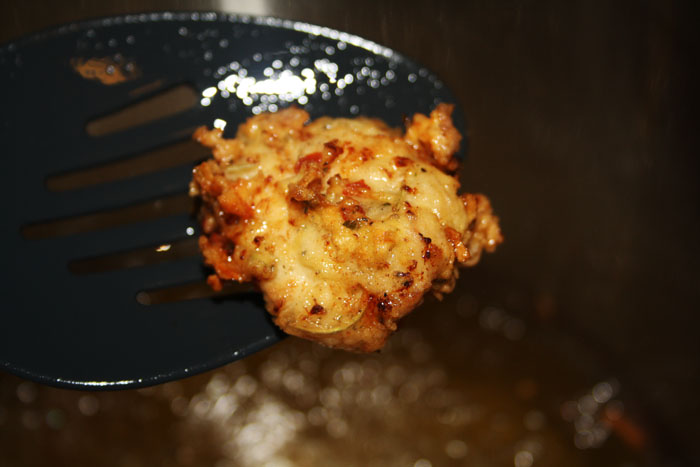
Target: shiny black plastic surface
88,331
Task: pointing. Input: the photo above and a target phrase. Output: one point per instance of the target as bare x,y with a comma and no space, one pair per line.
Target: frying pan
581,132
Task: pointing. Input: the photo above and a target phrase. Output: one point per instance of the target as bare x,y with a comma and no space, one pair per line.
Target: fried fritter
344,224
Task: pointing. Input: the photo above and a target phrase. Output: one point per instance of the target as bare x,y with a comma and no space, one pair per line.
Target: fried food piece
344,224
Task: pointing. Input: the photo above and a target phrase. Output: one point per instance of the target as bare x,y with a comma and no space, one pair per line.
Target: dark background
583,131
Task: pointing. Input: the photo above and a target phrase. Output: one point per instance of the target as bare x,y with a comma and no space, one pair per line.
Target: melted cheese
345,224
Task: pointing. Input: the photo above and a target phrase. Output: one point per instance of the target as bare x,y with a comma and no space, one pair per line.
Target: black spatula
103,285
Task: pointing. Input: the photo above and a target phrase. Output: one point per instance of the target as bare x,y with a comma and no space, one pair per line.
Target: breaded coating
344,224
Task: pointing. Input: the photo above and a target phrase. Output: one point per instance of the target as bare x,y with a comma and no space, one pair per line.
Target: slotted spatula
103,282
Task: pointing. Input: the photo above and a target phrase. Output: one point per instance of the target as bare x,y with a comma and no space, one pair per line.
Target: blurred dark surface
583,126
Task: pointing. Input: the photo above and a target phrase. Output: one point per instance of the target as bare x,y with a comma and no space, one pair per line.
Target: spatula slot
153,254
164,157
164,104
191,291
161,207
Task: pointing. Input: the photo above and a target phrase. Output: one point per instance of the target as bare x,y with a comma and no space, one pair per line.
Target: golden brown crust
344,224
437,136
